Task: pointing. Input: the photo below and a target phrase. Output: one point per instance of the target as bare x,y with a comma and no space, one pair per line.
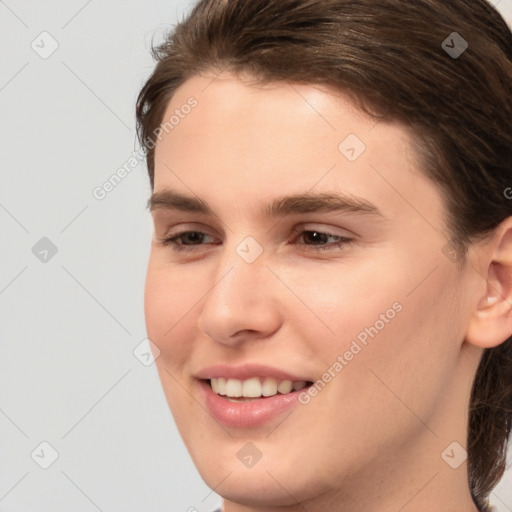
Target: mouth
254,388
227,402
250,394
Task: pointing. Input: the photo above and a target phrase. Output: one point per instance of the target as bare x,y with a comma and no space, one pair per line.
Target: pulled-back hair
392,57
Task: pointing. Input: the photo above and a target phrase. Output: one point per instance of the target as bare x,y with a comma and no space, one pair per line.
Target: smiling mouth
255,388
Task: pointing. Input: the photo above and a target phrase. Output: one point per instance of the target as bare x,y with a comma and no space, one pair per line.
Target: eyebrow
308,202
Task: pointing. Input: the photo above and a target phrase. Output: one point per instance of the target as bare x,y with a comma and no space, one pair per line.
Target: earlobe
491,321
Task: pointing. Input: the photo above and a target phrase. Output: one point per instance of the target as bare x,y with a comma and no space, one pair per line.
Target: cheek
398,326
409,360
395,376
341,303
169,301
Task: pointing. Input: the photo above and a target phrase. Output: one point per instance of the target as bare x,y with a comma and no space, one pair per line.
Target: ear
491,322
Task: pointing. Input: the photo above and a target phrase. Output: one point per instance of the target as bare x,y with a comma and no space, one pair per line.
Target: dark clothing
488,508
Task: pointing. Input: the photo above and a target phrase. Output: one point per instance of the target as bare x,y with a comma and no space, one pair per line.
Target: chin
265,484
257,489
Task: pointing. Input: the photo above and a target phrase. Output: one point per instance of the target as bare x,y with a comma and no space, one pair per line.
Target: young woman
330,280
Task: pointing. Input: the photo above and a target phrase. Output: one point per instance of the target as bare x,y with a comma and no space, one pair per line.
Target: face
346,286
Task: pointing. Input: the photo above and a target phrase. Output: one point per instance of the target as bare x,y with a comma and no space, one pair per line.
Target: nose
242,302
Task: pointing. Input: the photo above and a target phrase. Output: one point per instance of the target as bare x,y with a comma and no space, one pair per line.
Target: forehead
272,121
242,142
230,101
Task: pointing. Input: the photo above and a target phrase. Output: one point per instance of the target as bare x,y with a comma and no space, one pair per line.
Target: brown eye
320,240
180,241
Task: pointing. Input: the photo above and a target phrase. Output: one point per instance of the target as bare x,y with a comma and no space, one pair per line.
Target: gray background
70,321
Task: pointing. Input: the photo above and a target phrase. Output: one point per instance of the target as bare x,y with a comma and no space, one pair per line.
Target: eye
190,238
320,238
187,240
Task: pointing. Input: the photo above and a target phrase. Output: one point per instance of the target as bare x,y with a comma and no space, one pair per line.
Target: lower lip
247,414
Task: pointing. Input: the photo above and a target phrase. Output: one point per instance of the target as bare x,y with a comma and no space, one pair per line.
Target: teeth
269,387
251,388
234,388
299,385
254,387
285,386
219,385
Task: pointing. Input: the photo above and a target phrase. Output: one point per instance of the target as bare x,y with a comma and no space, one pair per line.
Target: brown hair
393,58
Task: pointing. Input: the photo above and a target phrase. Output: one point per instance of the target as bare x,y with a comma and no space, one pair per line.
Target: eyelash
177,247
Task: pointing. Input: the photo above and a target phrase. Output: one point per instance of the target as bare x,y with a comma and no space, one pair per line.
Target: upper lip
246,371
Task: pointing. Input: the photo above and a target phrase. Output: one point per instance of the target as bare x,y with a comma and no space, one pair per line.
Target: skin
372,439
